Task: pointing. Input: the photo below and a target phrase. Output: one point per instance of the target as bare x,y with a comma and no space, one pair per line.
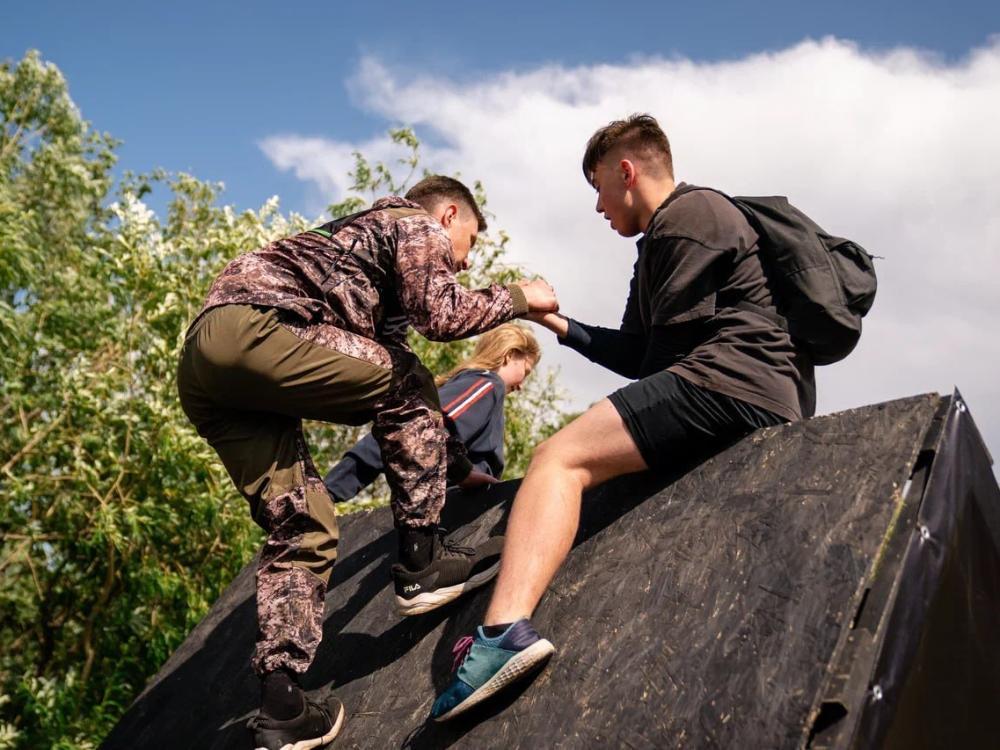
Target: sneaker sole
317,741
439,597
516,667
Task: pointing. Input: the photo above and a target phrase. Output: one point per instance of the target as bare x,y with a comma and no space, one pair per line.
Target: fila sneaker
454,570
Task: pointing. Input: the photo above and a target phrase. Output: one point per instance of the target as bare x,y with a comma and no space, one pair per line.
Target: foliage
118,525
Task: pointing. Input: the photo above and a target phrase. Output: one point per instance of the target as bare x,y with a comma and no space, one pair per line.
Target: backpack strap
332,227
770,313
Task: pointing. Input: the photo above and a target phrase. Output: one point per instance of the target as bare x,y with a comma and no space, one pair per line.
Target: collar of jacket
394,201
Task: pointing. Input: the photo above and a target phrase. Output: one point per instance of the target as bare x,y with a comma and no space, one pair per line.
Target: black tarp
720,608
933,676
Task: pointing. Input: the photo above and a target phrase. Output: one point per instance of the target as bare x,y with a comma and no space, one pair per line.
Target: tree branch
30,445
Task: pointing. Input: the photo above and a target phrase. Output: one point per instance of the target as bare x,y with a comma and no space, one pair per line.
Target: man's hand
540,295
477,479
553,321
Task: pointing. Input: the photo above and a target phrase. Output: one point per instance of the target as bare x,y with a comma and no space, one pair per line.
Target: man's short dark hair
640,134
436,187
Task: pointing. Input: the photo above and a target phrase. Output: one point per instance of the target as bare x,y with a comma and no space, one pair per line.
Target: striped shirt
472,403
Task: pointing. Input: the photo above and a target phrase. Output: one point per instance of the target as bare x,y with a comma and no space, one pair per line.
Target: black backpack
823,285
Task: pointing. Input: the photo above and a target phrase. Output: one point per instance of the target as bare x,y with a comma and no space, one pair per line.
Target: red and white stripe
461,404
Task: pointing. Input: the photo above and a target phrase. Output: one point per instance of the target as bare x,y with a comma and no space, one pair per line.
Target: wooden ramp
810,586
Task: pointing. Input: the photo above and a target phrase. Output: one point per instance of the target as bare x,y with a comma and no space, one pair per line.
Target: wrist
519,300
558,324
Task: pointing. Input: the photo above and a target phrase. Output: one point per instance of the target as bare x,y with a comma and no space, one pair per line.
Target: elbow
434,332
433,322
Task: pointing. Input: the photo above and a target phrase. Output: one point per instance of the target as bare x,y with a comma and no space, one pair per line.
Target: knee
550,453
428,390
411,377
563,454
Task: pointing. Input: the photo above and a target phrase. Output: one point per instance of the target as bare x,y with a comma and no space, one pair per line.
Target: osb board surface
699,612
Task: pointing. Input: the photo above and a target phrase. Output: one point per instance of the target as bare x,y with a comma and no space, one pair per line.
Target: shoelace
451,549
460,650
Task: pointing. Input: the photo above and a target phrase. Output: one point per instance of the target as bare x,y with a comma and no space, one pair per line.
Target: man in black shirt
711,364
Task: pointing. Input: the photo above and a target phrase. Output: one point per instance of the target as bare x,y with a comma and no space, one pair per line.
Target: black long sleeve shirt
697,260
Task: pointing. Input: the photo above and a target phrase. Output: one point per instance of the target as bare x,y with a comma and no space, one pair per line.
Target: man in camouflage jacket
314,327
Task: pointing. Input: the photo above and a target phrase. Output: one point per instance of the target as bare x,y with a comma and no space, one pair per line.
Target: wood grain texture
698,610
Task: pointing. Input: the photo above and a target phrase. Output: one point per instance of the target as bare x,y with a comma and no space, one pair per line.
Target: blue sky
877,118
195,85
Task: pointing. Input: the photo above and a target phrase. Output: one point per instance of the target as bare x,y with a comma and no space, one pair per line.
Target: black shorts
673,421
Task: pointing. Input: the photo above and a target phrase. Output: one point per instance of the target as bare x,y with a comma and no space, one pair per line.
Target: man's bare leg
590,450
543,522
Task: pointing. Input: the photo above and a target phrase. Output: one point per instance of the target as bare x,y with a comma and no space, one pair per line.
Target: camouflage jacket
372,275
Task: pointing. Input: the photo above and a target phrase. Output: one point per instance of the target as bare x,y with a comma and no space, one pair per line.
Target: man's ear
449,215
627,172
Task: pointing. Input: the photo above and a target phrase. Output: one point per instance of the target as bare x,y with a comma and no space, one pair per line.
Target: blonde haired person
471,396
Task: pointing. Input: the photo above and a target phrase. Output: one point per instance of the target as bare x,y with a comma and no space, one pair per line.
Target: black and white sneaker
317,725
454,570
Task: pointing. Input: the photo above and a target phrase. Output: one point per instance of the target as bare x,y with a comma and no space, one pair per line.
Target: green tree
118,525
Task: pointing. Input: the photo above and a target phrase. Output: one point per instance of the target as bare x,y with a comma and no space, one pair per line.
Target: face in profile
613,179
514,370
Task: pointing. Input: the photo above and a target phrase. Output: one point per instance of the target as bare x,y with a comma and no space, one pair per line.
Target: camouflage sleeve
436,304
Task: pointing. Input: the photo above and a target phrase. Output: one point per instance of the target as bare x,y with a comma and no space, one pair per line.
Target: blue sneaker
485,665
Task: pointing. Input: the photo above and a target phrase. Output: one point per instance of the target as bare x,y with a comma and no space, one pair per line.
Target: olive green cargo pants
247,378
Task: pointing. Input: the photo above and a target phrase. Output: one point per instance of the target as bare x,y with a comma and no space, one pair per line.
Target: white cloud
323,163
897,150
